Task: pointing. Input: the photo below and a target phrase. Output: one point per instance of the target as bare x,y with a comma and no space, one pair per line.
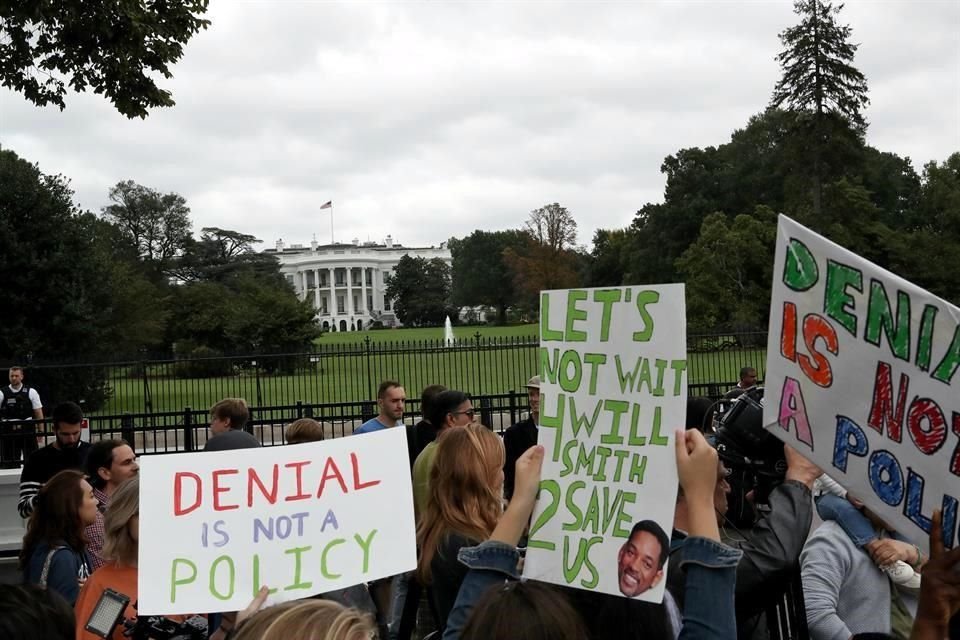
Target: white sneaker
902,575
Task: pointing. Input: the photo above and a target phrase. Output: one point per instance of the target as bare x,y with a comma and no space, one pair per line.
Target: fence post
188,434
370,386
486,412
476,350
127,432
299,409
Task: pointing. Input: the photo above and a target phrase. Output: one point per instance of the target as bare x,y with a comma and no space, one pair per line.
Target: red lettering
788,333
882,413
331,471
178,508
300,495
356,475
217,490
928,440
817,368
253,478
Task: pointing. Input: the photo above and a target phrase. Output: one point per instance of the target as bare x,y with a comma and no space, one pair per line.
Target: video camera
753,455
108,614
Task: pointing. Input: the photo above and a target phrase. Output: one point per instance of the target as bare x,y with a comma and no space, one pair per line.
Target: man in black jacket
521,436
65,452
771,547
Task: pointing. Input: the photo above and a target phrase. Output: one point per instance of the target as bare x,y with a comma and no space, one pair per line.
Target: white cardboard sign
613,392
862,378
301,519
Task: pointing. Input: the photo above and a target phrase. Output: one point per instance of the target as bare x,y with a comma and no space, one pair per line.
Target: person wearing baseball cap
521,436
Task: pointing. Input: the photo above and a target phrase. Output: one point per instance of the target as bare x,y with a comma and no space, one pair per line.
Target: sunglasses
468,413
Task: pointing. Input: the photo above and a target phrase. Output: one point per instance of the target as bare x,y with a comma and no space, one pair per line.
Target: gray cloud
427,120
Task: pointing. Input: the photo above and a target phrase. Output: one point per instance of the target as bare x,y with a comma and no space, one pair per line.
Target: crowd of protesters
474,492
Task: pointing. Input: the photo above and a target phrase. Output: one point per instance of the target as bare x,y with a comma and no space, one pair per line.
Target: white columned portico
316,290
332,303
350,310
363,292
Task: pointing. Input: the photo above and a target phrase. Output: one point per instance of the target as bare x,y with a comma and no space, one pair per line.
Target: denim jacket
711,573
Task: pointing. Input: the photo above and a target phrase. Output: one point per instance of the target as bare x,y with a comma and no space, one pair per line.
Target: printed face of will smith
638,564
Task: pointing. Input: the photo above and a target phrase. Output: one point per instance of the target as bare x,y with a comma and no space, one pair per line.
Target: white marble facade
346,282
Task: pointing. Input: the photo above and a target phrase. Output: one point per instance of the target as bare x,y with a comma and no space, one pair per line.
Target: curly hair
118,545
465,493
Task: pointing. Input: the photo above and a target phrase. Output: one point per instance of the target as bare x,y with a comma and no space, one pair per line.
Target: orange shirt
109,576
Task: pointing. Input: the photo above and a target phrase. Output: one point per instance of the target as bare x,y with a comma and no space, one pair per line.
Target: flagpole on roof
329,205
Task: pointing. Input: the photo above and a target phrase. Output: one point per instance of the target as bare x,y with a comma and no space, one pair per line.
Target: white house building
346,282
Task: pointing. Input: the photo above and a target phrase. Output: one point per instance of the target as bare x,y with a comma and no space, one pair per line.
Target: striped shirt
43,465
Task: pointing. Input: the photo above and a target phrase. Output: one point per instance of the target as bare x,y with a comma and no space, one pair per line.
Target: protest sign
613,391
301,519
862,379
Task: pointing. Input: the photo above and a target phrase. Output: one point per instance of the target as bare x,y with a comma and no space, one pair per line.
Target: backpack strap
46,565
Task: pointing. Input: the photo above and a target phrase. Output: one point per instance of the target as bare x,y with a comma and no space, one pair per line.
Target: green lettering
548,365
365,545
232,580
951,360
256,577
602,454
553,422
567,460
546,333
297,552
645,298
623,518
585,459
879,317
637,470
571,571
633,439
580,422
661,368
925,339
800,270
324,571
570,383
607,297
836,300
594,360
679,367
574,314
176,581
617,408
656,439
553,488
621,456
627,378
572,507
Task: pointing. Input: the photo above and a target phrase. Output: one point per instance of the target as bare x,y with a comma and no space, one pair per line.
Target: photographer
771,544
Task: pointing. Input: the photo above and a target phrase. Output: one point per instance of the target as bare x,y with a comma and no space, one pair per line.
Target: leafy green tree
728,271
820,84
155,225
220,255
420,290
113,48
480,274
68,295
610,258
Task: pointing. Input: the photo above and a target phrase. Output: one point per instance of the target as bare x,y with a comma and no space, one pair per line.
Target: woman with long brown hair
54,553
465,501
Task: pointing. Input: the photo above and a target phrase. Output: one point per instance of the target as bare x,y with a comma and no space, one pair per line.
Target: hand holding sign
527,480
697,466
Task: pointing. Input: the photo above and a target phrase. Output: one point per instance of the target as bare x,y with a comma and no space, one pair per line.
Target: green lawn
349,370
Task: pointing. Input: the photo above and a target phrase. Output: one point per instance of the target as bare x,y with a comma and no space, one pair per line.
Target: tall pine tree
819,82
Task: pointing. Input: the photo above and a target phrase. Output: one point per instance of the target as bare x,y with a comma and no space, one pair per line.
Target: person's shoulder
830,538
233,439
370,425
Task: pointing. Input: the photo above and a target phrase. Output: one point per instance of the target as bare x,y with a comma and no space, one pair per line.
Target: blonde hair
308,620
118,545
303,430
465,492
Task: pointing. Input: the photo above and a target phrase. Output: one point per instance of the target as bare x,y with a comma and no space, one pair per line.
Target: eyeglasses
468,413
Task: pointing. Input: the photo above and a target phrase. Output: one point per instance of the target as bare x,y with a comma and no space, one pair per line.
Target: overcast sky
427,120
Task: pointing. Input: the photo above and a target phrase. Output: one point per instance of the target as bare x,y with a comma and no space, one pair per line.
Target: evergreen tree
820,84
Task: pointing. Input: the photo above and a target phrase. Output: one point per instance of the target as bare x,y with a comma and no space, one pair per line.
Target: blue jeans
711,573
850,519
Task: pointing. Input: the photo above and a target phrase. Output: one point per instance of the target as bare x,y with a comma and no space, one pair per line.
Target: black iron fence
188,428
341,374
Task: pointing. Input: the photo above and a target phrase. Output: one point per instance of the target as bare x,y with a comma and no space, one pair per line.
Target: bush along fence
339,382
